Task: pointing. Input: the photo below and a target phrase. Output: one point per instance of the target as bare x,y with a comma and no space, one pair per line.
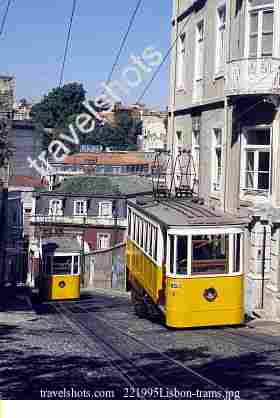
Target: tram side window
151,241
237,253
182,255
134,227
155,244
210,254
62,265
147,237
129,223
142,234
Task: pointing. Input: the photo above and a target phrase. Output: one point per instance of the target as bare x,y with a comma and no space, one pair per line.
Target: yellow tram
187,261
60,271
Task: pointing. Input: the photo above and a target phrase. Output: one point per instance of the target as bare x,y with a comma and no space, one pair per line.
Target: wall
105,269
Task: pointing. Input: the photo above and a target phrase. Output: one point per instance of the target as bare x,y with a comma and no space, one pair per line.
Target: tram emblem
210,294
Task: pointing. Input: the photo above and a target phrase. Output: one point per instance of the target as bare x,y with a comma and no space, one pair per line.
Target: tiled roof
24,181
102,185
106,158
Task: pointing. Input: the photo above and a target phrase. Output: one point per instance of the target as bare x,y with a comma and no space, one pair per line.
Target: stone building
92,208
154,131
225,107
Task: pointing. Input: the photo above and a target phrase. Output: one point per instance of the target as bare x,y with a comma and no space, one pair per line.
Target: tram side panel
143,272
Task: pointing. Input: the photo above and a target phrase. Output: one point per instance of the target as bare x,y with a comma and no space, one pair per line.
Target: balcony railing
79,220
253,76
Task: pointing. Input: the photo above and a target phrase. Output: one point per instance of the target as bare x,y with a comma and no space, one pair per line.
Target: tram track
180,372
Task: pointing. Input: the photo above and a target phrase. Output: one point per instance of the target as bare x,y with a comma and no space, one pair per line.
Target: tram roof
184,212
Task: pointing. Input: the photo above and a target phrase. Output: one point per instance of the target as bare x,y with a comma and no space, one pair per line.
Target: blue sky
32,45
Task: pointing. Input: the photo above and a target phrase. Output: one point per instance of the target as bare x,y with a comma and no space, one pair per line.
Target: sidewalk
15,299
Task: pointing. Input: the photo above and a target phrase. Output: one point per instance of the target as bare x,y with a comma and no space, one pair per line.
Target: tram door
61,277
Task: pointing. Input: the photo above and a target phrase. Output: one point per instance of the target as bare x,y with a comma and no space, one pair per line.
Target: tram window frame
75,272
134,227
147,237
186,258
142,234
237,244
210,239
151,242
129,223
233,266
59,273
155,252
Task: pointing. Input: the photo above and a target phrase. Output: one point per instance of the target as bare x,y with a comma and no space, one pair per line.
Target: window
256,159
237,253
195,153
105,209
217,159
62,265
199,51
179,137
55,207
221,39
210,254
80,207
171,261
103,241
261,27
182,255
129,223
76,267
181,62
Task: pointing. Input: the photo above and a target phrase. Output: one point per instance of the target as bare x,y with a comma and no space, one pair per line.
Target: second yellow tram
187,261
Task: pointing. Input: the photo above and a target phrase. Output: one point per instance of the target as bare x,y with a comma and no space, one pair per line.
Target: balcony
253,76
79,221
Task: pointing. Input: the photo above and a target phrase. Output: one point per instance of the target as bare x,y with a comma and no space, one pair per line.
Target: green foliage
53,115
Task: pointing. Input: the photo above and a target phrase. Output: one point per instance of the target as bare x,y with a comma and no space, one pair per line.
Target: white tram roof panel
184,212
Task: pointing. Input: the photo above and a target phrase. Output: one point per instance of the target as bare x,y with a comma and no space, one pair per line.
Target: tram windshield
62,265
210,254
205,254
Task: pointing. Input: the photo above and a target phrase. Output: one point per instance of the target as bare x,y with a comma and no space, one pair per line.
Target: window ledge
181,90
218,76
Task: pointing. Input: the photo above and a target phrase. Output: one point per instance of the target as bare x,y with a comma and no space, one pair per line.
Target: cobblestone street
97,344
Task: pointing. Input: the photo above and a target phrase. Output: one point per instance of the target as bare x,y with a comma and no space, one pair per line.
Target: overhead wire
74,6
5,16
124,39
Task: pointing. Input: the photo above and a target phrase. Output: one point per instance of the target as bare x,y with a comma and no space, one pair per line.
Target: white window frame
230,232
256,149
100,212
58,209
181,62
216,175
221,41
199,51
103,236
83,204
260,10
196,151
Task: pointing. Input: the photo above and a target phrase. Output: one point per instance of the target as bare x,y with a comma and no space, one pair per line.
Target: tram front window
210,254
62,265
182,255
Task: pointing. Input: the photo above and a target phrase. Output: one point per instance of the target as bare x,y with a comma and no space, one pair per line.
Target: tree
54,111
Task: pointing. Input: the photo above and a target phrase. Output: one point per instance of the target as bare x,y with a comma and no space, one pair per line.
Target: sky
32,45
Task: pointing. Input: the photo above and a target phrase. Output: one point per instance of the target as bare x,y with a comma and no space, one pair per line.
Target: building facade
13,247
225,107
93,208
154,131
